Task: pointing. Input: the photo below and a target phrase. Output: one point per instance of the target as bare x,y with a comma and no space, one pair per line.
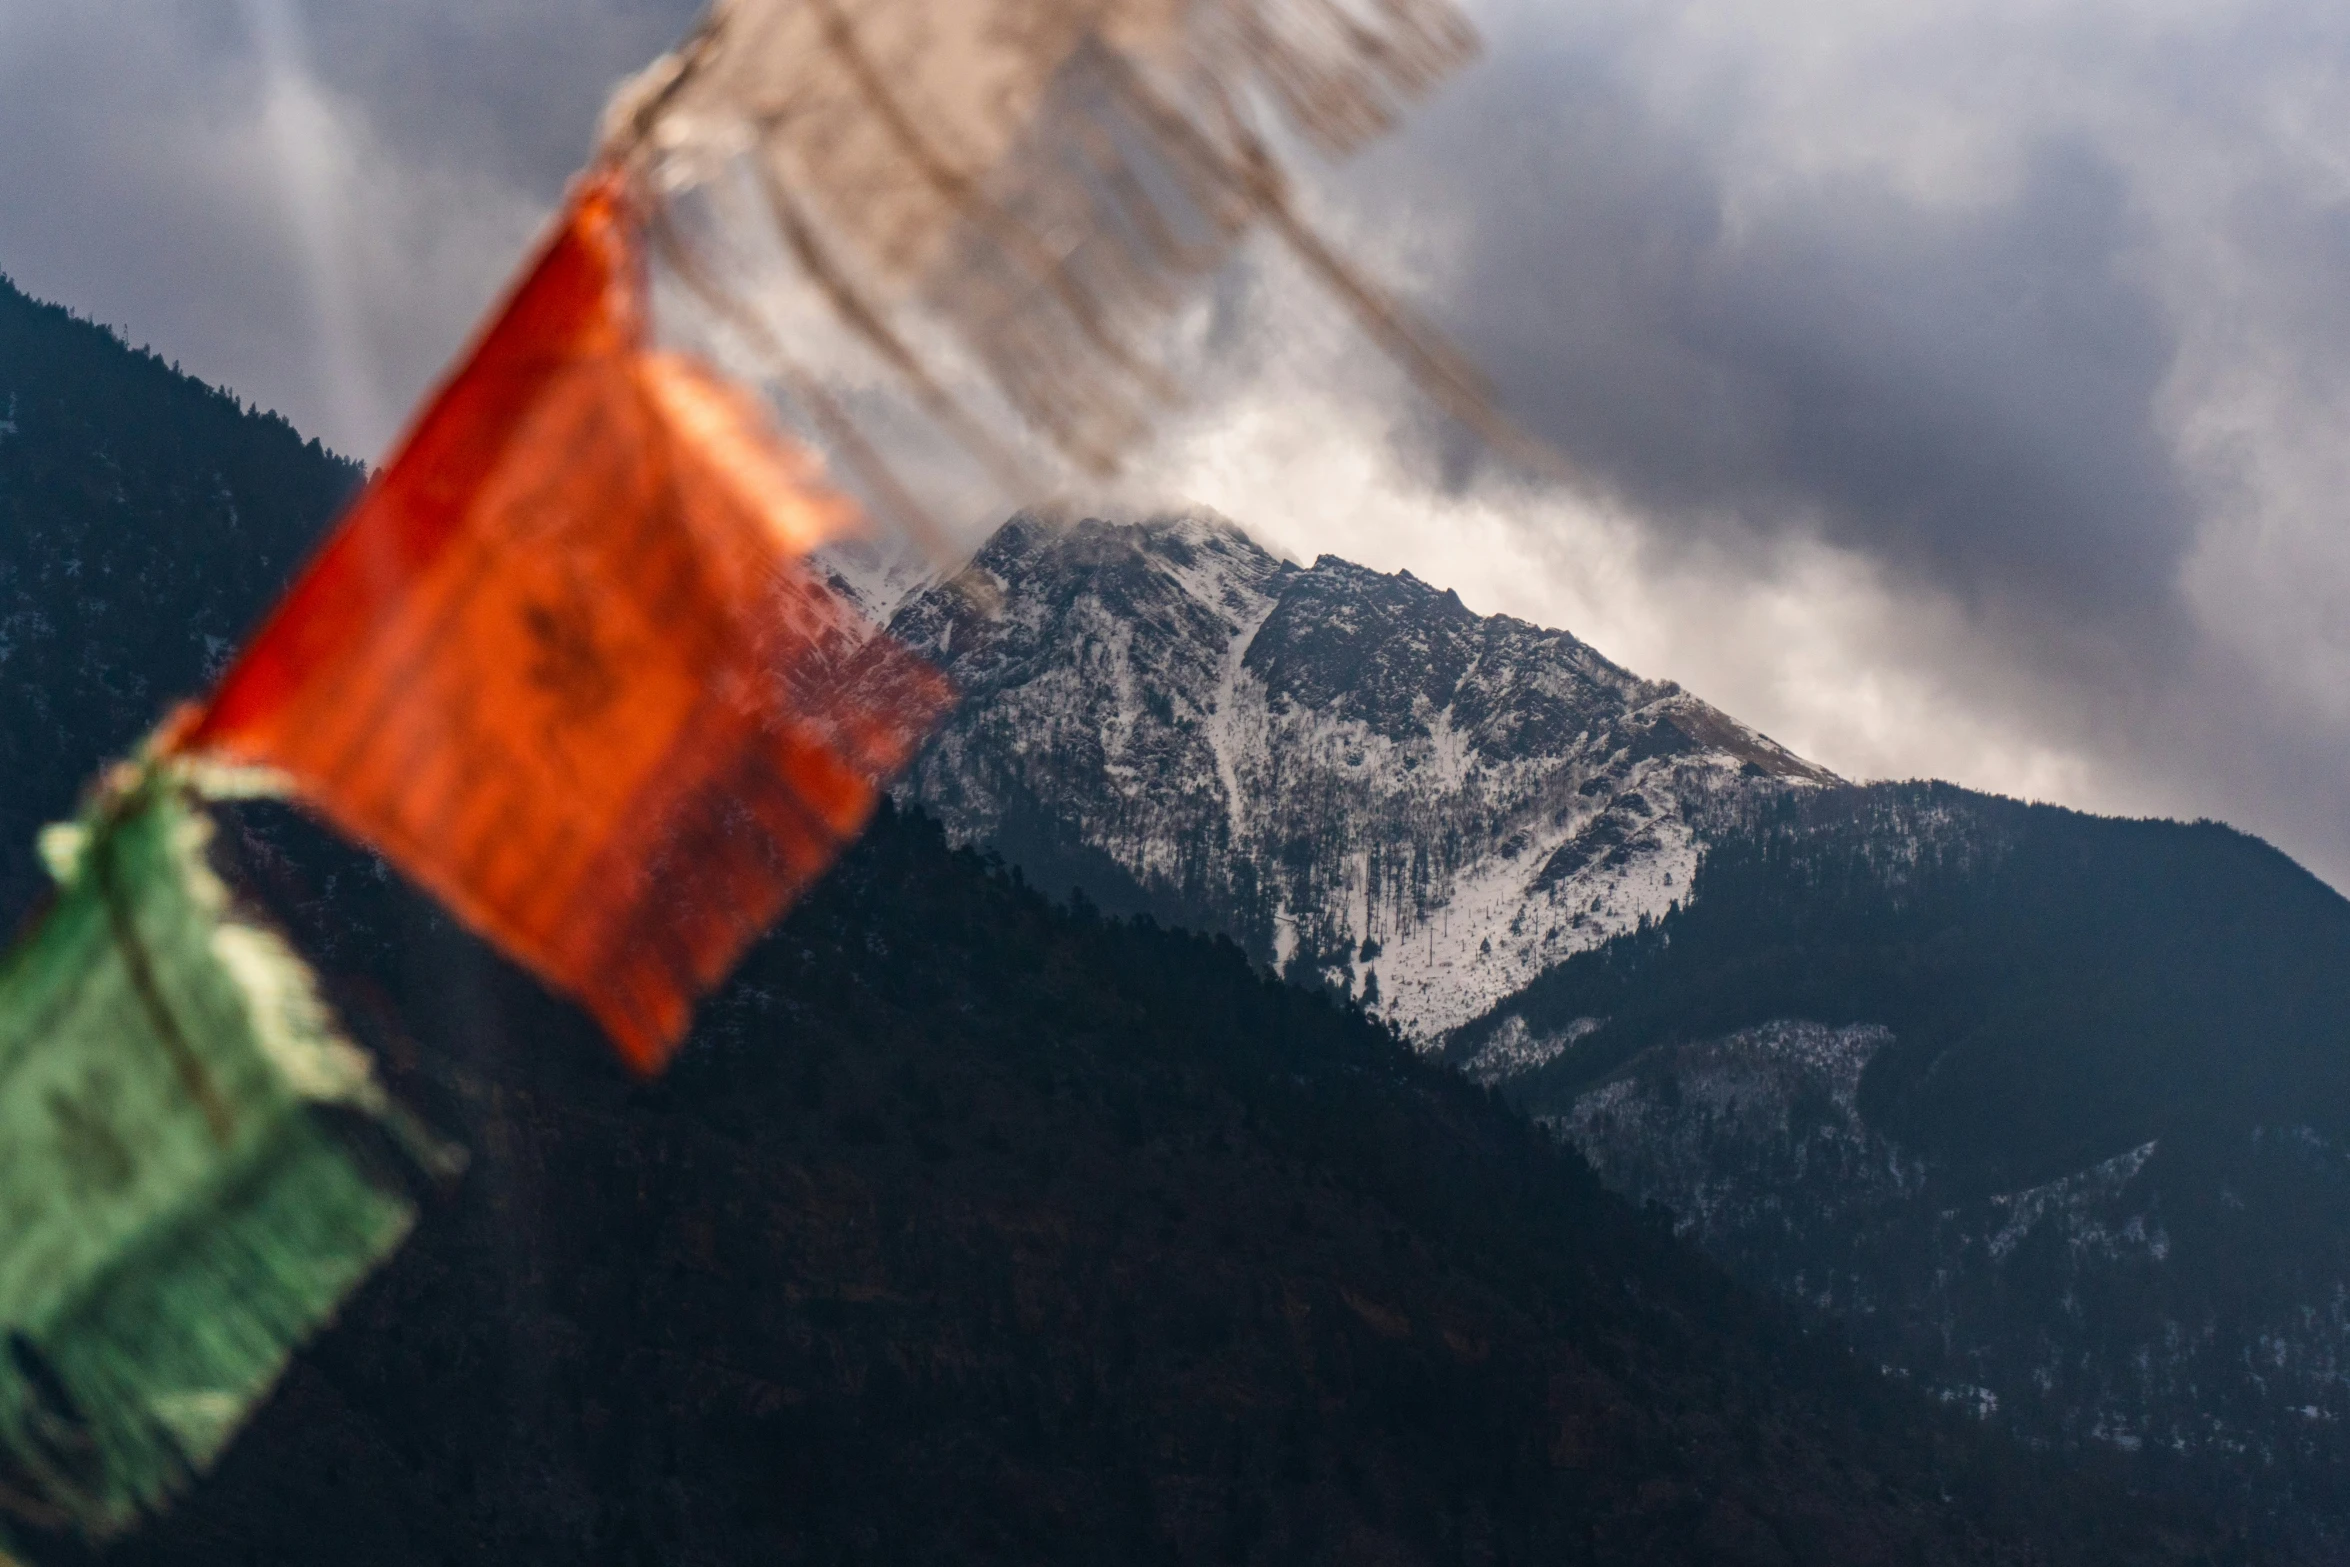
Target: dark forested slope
2052,1111
2060,987
146,522
972,1230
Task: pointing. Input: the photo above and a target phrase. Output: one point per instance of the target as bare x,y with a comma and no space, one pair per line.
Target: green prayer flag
193,1169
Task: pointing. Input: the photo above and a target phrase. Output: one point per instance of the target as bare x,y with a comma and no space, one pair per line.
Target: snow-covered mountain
1351,773
2049,1110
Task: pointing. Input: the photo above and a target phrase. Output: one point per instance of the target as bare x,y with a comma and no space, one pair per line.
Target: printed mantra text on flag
564,663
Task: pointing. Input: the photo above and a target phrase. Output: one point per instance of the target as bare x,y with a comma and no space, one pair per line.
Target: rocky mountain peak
1352,773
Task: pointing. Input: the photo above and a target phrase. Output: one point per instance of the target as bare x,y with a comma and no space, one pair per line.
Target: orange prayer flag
563,663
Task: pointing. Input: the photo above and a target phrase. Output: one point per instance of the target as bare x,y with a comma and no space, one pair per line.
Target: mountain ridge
1363,782
967,1230
2051,1112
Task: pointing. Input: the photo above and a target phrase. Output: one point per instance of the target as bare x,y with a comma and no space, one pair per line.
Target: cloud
1955,386
1958,386
1966,391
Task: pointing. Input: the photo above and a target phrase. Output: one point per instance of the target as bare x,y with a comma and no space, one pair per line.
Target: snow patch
876,576
1222,726
1353,809
1515,1049
2070,1201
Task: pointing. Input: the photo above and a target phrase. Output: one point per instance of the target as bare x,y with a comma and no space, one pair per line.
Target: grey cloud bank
2032,313
1959,391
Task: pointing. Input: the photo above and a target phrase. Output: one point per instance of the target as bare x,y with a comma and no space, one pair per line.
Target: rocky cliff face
1354,775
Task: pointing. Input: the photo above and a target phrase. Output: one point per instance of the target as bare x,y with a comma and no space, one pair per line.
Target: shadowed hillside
2052,1110
975,1231
146,522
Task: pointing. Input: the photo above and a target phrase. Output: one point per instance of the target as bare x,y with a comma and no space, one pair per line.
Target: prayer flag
194,1169
1041,179
564,665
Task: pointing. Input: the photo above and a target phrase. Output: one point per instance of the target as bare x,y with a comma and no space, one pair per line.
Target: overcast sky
1958,388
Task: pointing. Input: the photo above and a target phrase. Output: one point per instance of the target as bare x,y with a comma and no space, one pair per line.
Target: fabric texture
564,663
1042,178
196,1167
